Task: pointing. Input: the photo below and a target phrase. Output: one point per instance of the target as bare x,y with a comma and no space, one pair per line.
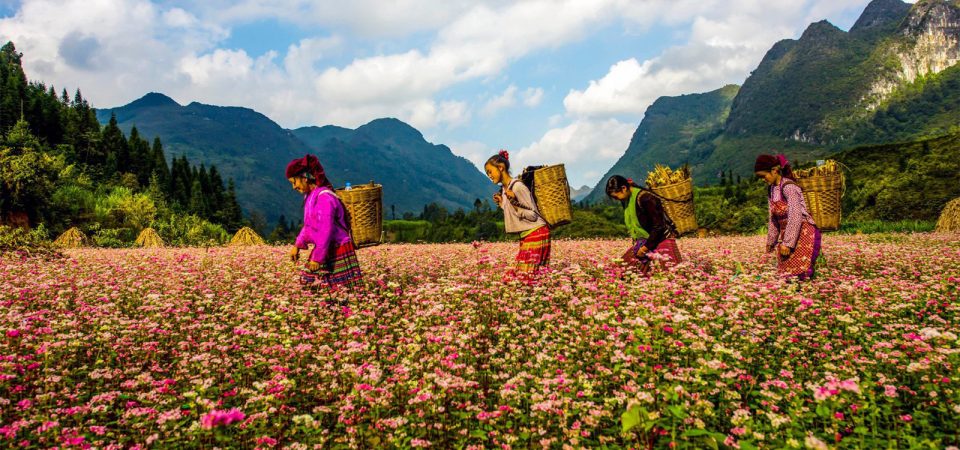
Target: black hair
500,159
618,182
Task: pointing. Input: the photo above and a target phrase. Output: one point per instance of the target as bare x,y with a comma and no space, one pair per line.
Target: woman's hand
313,266
785,251
294,254
498,199
510,194
642,251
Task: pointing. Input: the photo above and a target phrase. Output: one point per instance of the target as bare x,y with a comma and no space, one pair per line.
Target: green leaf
631,418
677,411
479,434
861,430
747,445
695,433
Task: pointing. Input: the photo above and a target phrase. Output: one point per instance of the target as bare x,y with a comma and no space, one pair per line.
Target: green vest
630,217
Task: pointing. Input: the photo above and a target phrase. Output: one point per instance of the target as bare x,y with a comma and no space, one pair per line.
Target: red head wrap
308,165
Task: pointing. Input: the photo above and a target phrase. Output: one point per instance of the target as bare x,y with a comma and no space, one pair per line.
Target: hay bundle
246,237
149,238
675,189
72,238
950,217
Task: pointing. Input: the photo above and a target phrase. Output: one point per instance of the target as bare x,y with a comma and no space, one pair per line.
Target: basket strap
517,203
346,213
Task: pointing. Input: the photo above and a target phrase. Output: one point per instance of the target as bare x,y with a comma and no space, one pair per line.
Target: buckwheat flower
13,333
890,391
812,442
217,418
906,418
420,443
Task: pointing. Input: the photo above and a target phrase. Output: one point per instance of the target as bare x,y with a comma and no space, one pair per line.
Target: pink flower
850,385
266,440
838,415
668,329
906,417
13,333
217,418
416,442
890,391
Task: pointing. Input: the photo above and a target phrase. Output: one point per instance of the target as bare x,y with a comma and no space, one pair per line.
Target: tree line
60,168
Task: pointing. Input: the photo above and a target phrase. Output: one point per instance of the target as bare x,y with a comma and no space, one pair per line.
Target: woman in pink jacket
332,262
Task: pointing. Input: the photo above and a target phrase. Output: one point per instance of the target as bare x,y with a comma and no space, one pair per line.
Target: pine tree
232,214
197,205
114,148
159,166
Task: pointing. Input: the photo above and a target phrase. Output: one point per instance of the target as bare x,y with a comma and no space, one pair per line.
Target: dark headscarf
765,163
310,167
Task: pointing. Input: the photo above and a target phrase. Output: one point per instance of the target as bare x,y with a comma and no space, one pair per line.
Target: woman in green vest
647,223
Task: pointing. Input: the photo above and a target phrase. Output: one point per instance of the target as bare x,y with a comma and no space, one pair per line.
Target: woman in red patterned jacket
791,232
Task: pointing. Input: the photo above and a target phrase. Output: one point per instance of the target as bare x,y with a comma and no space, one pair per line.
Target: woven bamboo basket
364,204
678,204
822,193
552,194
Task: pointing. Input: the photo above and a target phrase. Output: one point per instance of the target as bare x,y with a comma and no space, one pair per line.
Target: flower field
219,347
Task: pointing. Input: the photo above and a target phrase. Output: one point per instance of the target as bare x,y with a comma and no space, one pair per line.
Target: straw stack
72,238
950,217
149,238
246,237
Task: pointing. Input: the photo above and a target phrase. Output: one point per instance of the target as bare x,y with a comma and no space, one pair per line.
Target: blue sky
553,81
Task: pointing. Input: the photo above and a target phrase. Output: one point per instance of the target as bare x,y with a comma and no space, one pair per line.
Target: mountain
244,145
253,150
579,194
892,77
413,171
674,130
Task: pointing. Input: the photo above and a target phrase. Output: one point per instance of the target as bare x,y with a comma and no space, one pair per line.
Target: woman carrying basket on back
520,214
332,262
647,223
791,231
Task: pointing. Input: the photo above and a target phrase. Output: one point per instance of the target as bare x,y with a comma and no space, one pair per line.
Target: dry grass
246,237
950,217
72,238
149,238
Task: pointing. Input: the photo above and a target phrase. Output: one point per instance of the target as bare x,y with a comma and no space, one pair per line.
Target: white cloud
532,97
505,100
587,148
475,151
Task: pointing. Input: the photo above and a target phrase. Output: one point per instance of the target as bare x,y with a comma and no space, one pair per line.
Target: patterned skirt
802,262
534,250
342,272
668,250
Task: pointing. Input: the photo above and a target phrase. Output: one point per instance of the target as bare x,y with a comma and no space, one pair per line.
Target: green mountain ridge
253,150
891,78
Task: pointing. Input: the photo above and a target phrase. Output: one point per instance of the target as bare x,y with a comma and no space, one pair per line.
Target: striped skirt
534,250
668,249
342,272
